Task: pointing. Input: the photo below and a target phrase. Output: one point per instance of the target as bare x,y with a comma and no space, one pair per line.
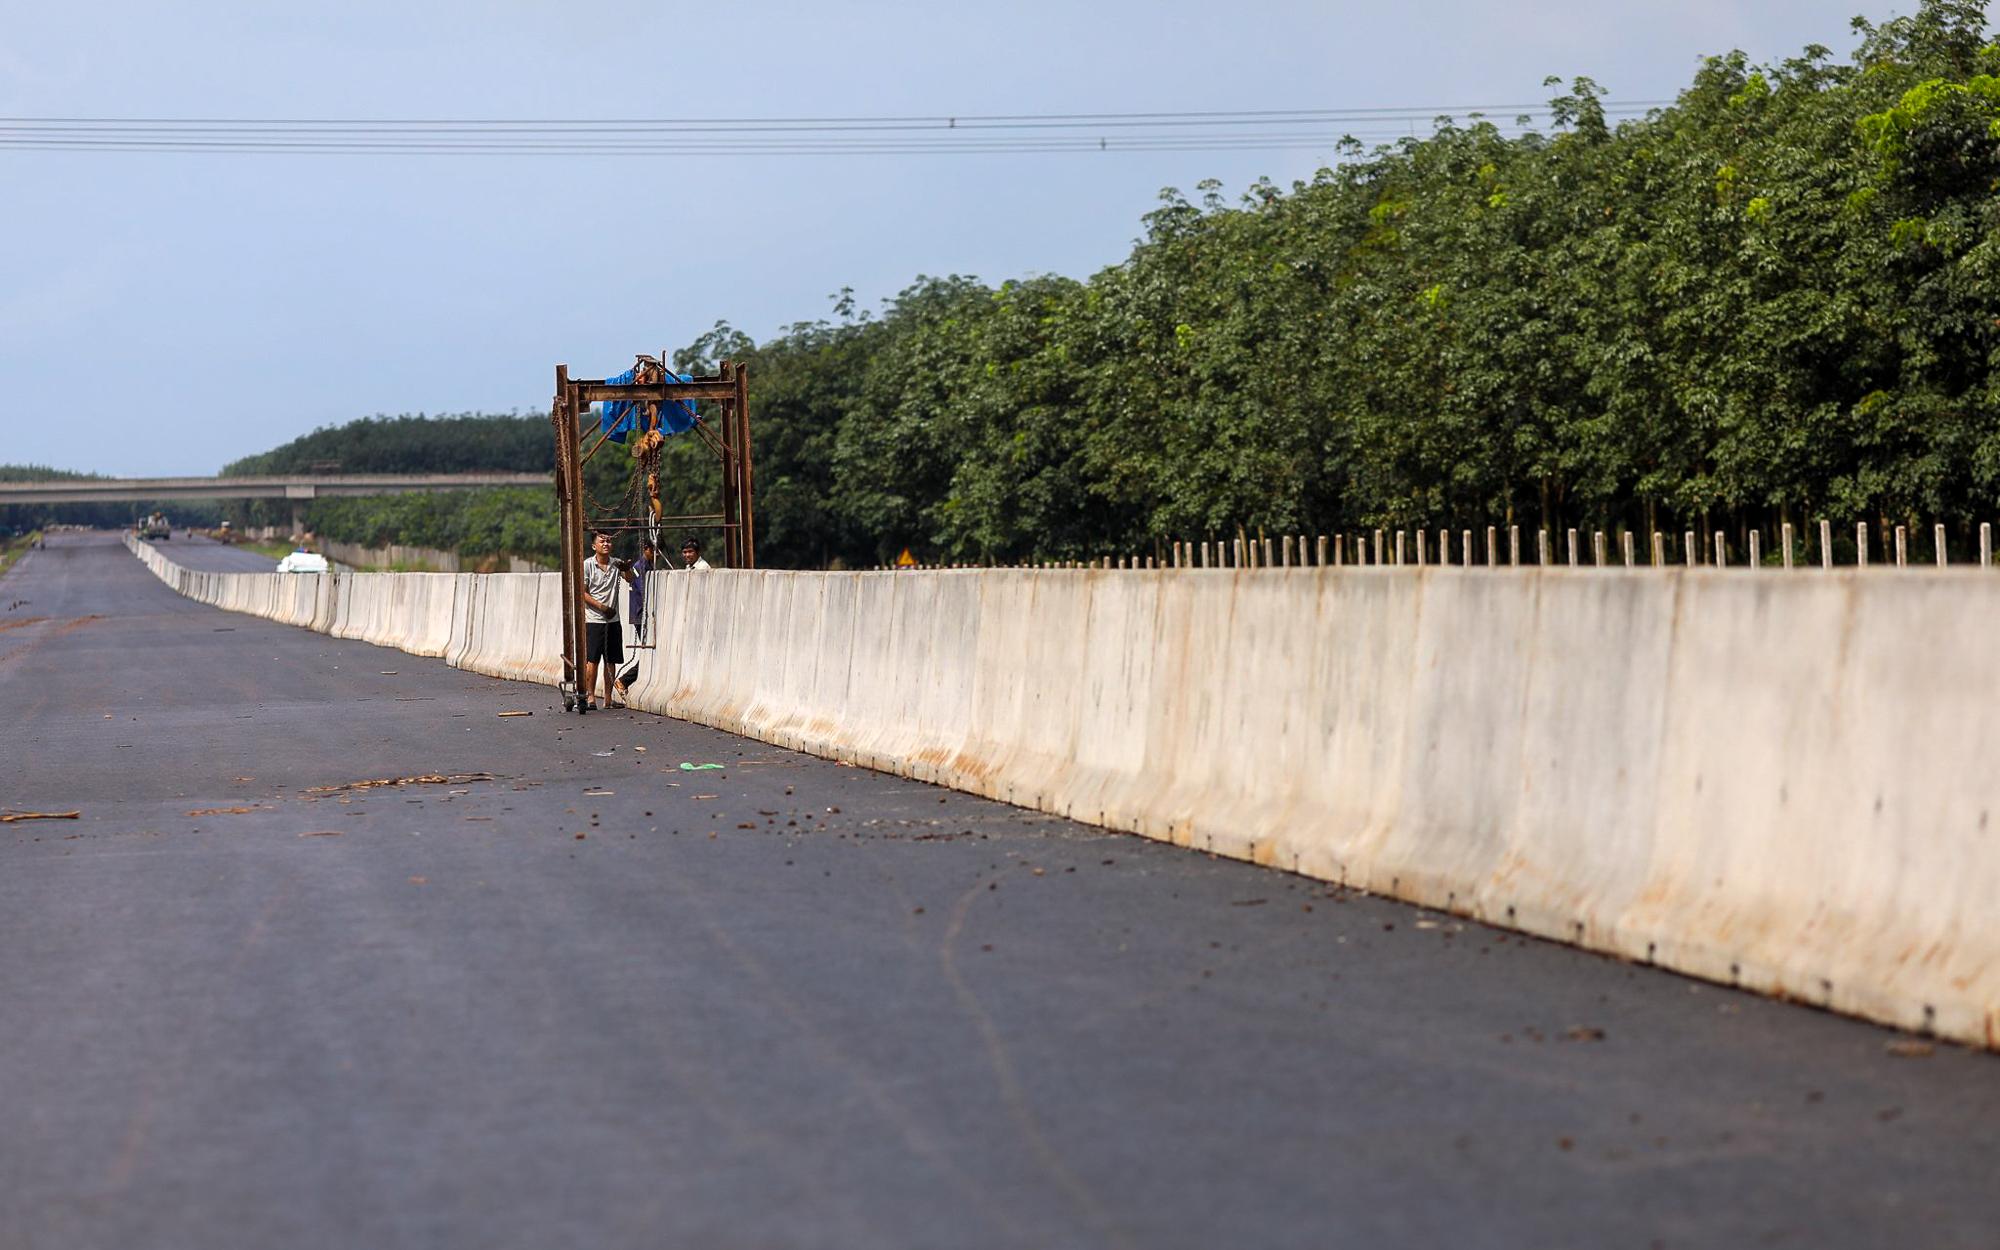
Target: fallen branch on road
423,779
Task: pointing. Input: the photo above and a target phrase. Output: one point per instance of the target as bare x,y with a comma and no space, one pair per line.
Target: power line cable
1186,131
930,120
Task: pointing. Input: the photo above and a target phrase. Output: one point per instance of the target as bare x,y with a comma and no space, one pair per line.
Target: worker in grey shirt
604,639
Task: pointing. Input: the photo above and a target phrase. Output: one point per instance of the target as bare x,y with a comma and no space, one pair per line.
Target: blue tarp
621,417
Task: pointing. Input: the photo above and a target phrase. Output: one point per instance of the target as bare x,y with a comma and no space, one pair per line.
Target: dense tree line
1773,300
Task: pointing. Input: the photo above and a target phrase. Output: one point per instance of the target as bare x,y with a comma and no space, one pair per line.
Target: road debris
321,833
505,714
1585,1033
229,811
604,754
422,779
599,794
1911,1048
9,818
695,768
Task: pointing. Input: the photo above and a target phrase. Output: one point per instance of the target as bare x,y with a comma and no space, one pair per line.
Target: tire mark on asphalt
1011,1090
894,1113
699,1089
138,1127
37,641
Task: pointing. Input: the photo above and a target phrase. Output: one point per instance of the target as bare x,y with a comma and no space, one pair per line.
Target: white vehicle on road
303,562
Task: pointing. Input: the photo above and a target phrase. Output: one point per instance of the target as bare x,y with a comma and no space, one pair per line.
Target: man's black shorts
602,640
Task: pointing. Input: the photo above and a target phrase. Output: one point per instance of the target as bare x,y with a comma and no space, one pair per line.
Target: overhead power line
1185,131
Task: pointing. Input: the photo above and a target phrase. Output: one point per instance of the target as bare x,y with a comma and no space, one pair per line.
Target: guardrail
1804,548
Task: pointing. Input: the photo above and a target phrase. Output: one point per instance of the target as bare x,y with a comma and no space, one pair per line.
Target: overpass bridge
299,486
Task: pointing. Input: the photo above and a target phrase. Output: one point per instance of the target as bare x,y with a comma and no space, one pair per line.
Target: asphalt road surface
579,995
192,552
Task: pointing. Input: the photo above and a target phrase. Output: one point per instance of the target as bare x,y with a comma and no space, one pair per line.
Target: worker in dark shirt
635,598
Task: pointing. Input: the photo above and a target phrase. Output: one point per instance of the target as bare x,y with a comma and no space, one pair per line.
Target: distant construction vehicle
155,526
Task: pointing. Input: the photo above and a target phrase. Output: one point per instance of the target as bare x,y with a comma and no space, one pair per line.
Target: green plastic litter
695,768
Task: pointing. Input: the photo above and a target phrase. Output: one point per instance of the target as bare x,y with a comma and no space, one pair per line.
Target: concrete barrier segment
503,627
464,608
428,629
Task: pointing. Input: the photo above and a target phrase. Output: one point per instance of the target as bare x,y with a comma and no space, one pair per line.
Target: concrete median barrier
427,629
364,604
1774,781
467,592
512,641
307,588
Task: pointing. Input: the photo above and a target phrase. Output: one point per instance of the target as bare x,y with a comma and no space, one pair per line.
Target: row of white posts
1398,546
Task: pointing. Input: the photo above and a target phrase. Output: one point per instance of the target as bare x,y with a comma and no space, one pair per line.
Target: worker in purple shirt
636,596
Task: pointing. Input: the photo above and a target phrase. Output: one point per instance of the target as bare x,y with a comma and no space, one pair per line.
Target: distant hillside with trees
463,442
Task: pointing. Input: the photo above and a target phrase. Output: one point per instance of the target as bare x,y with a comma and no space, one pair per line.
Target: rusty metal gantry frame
728,437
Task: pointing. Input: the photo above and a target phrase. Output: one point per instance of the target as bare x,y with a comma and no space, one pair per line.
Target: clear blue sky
165,313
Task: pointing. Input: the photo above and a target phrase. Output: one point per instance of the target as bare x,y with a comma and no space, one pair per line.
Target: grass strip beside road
13,549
